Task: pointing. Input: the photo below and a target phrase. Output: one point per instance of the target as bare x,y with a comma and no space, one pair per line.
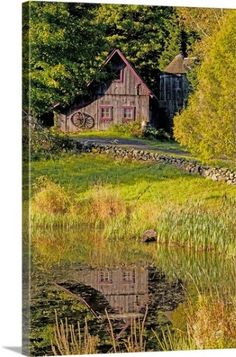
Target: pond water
100,283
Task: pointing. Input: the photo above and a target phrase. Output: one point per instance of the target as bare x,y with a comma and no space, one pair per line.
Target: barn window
106,112
138,88
105,277
119,75
128,276
128,113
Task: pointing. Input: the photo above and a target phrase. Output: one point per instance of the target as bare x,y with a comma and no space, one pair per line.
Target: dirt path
138,144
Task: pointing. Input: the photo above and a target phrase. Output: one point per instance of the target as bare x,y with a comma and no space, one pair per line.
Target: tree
150,36
199,24
60,53
208,125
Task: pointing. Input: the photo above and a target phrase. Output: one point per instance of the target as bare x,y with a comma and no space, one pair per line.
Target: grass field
124,198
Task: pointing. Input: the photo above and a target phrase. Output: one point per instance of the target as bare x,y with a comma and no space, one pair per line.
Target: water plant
71,340
210,324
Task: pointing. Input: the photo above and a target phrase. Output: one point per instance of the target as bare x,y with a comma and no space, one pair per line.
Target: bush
153,133
49,198
133,128
105,204
43,142
207,126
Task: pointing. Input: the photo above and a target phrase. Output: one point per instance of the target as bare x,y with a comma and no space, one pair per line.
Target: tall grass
53,206
71,340
193,225
210,324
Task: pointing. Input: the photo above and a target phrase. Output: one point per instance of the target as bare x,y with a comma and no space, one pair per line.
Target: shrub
105,204
153,133
43,142
207,125
135,128
50,198
130,128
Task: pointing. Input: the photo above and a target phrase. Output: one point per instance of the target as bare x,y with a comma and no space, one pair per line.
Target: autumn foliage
207,127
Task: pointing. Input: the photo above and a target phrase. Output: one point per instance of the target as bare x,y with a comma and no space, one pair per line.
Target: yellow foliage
213,324
50,198
208,125
105,204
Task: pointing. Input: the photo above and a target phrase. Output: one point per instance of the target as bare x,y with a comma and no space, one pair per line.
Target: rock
214,177
191,166
149,236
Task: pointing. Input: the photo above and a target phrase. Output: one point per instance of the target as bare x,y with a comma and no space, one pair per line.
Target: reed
196,227
71,340
210,325
135,342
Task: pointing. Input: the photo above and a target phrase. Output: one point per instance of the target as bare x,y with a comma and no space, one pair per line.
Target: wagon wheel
89,121
78,119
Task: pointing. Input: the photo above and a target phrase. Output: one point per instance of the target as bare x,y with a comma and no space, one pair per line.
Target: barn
173,90
124,97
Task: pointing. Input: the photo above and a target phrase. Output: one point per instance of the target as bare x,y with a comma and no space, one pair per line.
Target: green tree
150,36
208,125
199,24
60,53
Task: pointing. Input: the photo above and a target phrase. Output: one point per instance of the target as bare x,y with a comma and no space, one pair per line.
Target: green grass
101,134
124,198
160,182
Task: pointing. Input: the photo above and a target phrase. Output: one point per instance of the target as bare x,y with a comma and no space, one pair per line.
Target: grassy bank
124,198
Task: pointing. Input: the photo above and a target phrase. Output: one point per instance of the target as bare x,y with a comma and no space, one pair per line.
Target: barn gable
122,66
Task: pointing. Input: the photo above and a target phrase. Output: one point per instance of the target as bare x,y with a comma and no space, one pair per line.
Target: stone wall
191,166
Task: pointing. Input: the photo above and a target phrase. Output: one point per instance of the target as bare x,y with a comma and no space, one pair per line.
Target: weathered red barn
122,98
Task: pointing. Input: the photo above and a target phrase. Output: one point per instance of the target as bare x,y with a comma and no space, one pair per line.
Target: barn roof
179,65
129,65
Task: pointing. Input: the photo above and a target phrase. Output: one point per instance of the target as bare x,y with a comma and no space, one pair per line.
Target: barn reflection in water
124,293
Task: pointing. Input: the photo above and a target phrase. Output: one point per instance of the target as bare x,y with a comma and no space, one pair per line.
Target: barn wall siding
128,86
140,103
130,92
173,95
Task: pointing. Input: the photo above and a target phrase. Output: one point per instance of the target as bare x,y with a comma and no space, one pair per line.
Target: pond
122,295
